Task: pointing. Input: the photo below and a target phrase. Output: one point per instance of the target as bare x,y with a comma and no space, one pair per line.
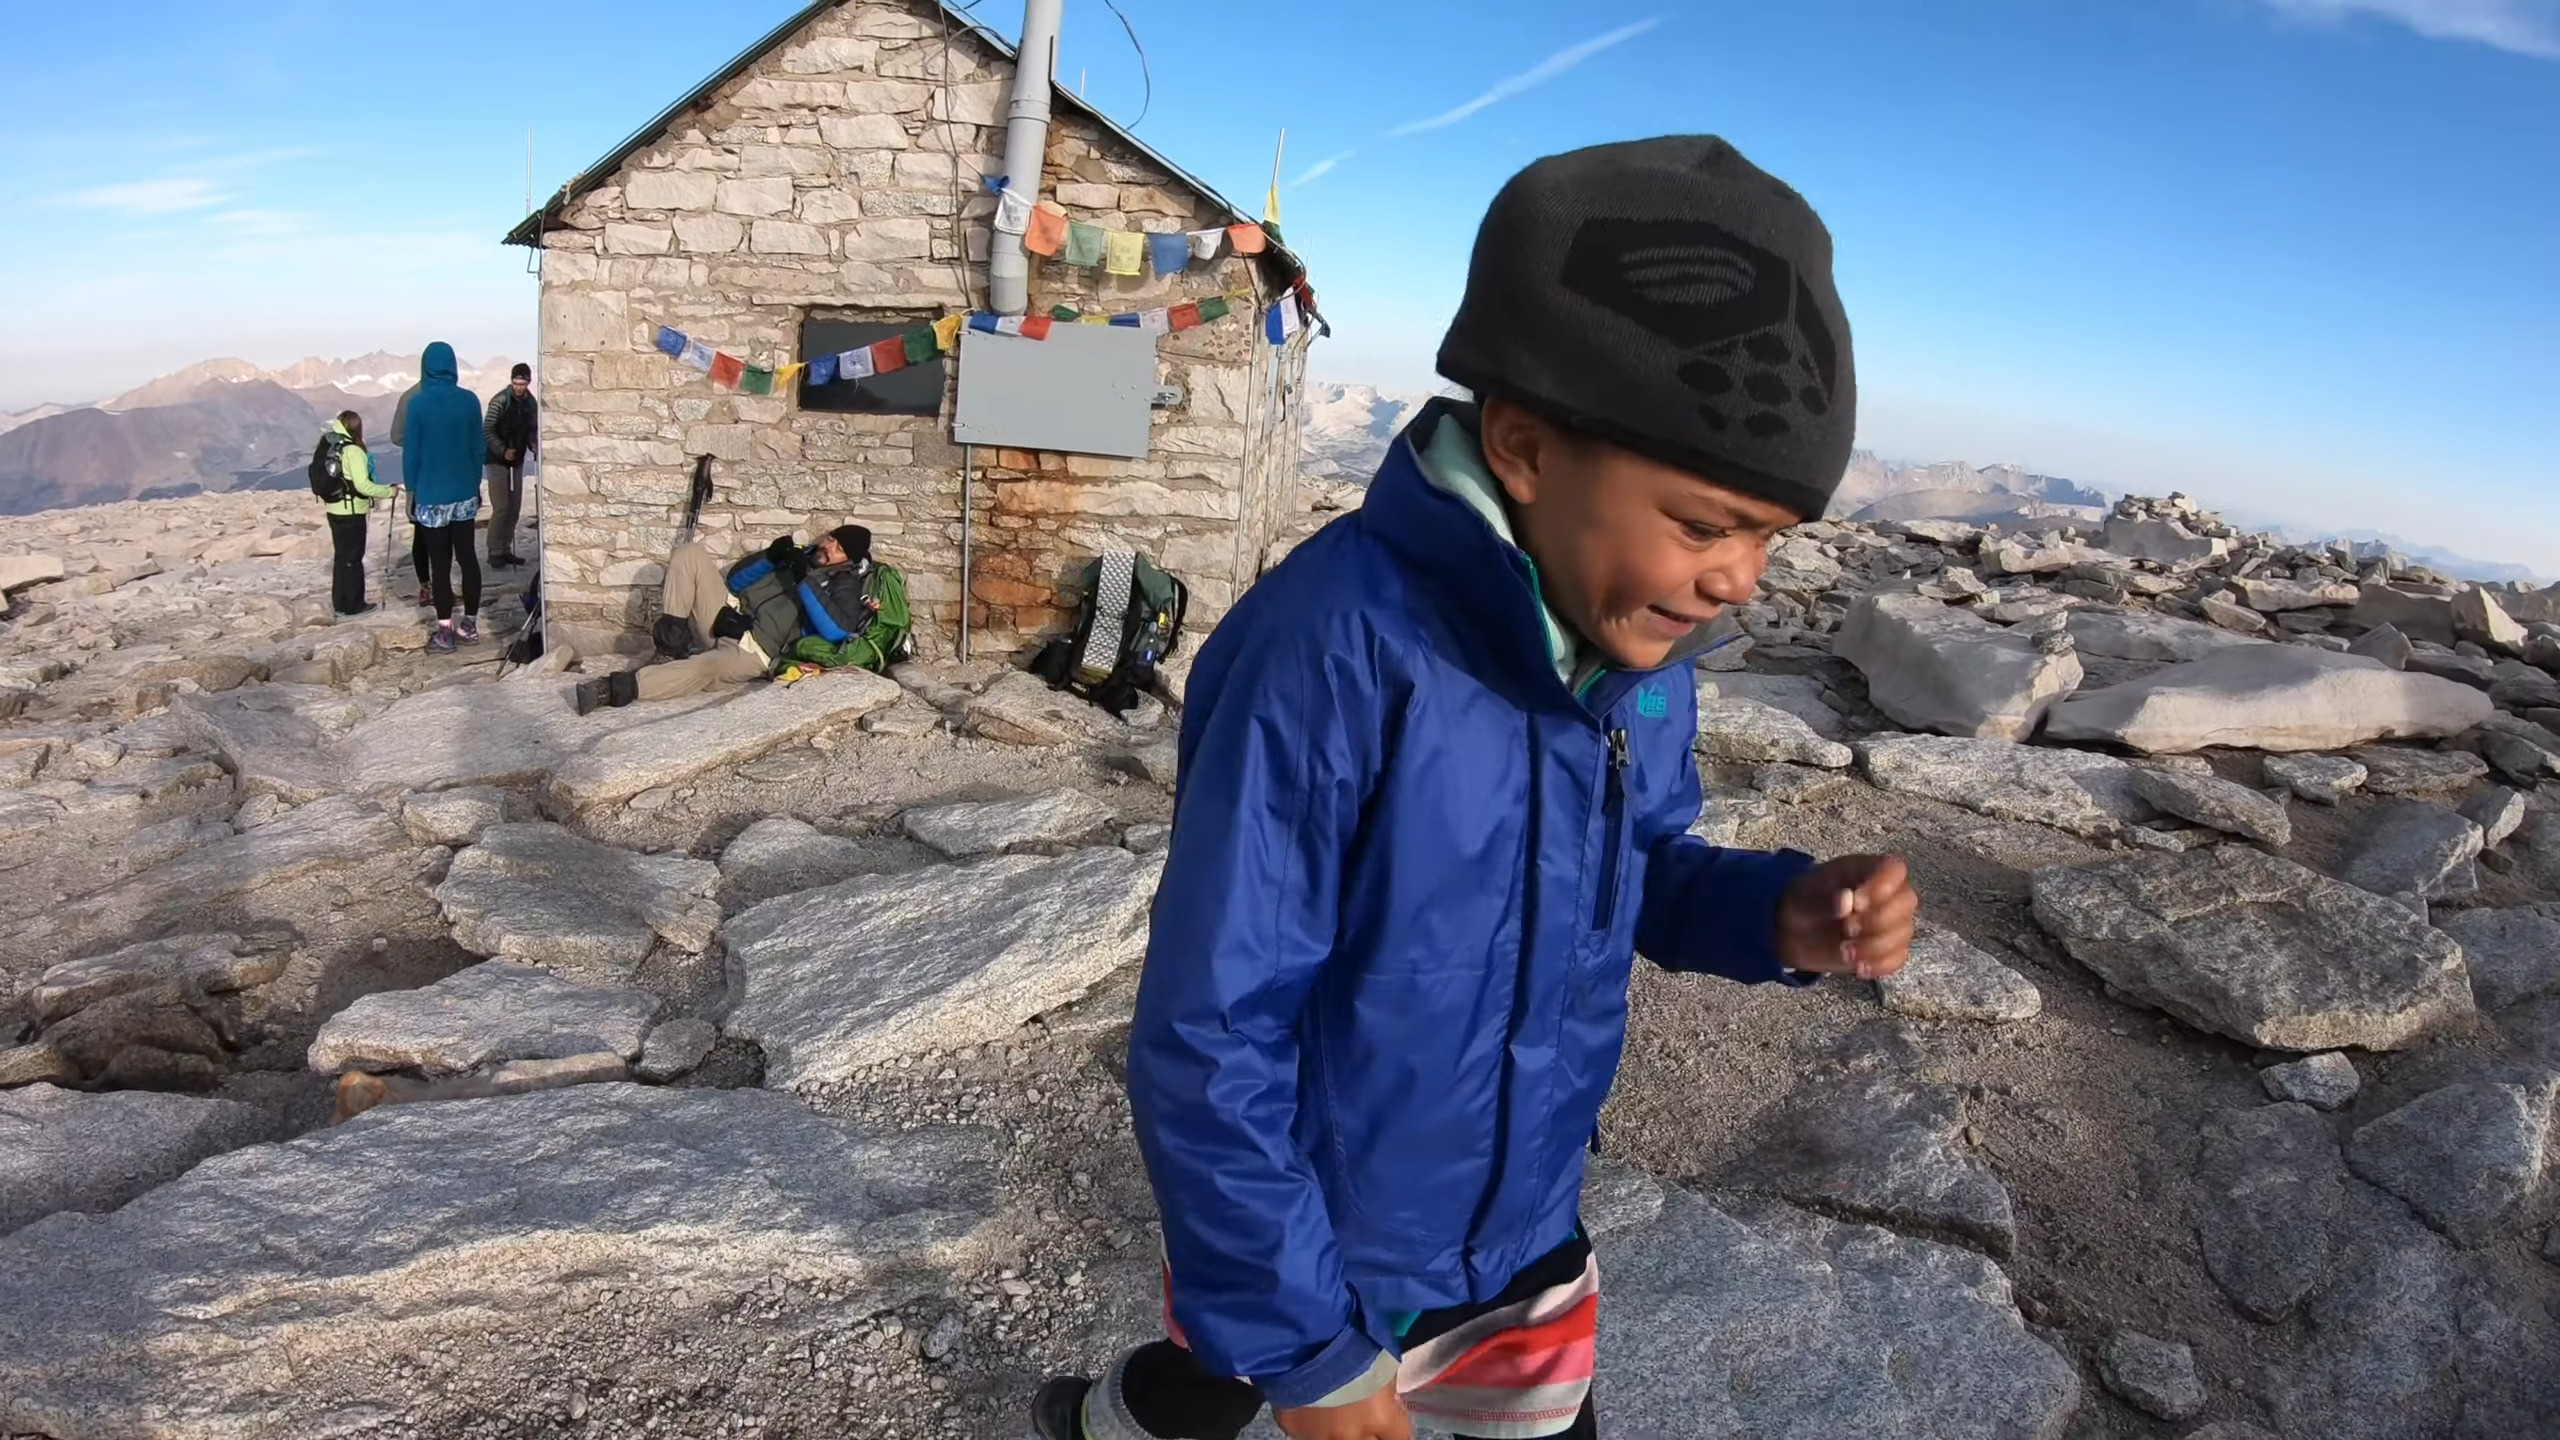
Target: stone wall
840,175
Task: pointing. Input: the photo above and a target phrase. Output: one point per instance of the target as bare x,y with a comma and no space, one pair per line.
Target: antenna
528,170
1080,84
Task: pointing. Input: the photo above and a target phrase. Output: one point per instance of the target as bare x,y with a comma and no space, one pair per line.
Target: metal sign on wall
1085,390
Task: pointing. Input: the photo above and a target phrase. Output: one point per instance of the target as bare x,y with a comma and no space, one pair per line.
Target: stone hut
828,182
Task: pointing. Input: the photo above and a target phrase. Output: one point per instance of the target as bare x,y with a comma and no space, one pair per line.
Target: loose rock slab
2513,955
880,966
991,827
452,817
1021,709
1766,1321
2241,943
215,964
177,1314
492,1012
1870,1141
2323,1082
2269,1186
65,1150
2412,851
679,747
2072,790
2320,779
2209,800
2400,770
2464,1157
1741,731
2141,635
2158,1376
538,894
2270,697
1934,667
1948,978
780,854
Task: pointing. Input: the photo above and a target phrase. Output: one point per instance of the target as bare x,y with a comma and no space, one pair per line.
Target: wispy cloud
1531,78
173,196
1321,168
2527,27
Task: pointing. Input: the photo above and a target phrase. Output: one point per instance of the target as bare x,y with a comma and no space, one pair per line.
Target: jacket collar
1493,584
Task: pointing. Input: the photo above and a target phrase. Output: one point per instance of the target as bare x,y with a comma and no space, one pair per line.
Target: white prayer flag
855,364
1205,243
1155,322
698,354
1013,211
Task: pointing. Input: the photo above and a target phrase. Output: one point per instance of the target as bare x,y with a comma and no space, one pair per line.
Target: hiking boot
1057,1412
617,690
426,597
440,640
467,629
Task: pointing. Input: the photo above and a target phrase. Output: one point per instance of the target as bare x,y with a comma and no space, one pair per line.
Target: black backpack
765,599
1129,620
328,469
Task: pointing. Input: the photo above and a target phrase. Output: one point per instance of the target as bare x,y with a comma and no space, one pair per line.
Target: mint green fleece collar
1454,463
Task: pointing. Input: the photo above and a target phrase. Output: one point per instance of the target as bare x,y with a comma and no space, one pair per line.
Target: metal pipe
968,466
1026,149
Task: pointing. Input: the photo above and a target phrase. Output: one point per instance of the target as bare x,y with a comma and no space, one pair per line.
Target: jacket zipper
1613,807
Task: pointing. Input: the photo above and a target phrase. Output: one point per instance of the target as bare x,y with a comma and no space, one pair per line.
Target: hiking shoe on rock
426,596
1057,1412
440,639
467,630
592,693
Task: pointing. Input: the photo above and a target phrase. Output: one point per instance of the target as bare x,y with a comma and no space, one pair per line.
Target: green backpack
882,639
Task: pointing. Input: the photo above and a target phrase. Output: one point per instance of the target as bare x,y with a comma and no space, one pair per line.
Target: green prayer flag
1084,245
1065,314
1213,308
756,380
921,346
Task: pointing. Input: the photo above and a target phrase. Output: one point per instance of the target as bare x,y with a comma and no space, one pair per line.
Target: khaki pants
697,591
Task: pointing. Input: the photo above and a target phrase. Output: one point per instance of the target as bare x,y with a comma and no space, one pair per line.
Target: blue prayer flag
1130,321
984,320
822,371
1171,253
670,341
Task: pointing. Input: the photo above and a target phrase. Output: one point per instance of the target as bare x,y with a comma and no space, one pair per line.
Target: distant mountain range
220,425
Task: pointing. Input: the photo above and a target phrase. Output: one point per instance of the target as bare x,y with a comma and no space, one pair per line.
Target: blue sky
2300,257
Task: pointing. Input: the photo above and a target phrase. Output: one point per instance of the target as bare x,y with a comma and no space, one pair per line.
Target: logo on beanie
1752,344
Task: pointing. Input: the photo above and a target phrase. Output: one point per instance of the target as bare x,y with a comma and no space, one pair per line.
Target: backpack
512,429
767,590
861,618
328,469
1130,618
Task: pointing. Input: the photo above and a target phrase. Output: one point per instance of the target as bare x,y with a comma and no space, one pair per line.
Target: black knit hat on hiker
1671,297
855,539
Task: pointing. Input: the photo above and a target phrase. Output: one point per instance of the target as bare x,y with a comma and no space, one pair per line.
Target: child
1437,779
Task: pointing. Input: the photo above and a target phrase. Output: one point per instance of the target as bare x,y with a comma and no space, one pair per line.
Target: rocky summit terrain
389,1051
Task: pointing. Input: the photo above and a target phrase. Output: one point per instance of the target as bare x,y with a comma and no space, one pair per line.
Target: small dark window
916,390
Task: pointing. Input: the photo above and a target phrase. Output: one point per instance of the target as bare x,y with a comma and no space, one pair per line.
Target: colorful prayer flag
890,354
1123,252
1214,308
946,332
1036,327
991,323
1169,253
670,341
922,344
1154,322
1093,319
789,374
1084,244
1048,229
1281,320
1248,239
1068,313
1125,322
755,380
1013,211
697,354
856,364
726,370
822,371
1183,317
1205,243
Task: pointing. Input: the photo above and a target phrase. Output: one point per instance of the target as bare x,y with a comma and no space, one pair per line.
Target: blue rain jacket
1386,985
441,452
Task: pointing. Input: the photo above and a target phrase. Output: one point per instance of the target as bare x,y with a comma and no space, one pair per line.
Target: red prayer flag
889,354
1036,327
1184,317
1247,239
727,370
1048,230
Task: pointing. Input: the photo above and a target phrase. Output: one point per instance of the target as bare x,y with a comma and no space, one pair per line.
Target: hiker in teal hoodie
441,458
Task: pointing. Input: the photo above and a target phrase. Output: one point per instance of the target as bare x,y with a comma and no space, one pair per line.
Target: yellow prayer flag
946,332
1124,252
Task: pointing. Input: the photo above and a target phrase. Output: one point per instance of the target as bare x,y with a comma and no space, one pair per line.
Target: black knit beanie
856,541
1671,297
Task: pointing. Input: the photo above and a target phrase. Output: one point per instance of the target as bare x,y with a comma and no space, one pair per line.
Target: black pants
346,563
447,546
1172,1396
418,550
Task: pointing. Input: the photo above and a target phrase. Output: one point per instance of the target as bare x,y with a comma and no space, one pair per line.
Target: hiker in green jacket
347,515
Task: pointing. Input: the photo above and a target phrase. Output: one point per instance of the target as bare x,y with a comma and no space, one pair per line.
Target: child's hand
1850,916
1380,1417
